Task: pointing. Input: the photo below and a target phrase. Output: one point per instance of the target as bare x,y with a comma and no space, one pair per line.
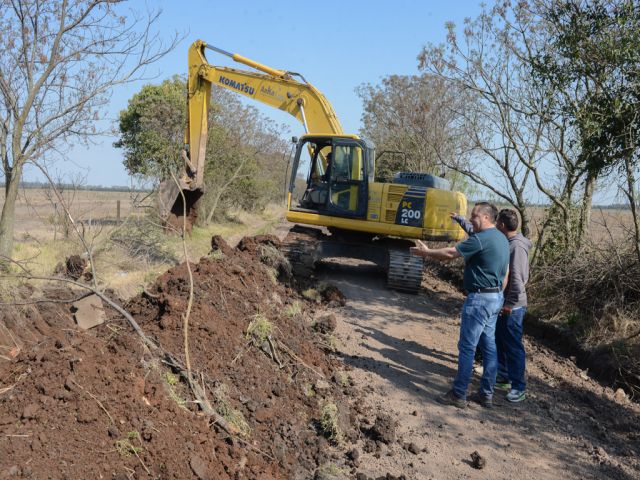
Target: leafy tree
244,150
59,61
152,129
591,64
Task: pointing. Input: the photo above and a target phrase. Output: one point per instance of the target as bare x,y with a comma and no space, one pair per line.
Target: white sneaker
515,396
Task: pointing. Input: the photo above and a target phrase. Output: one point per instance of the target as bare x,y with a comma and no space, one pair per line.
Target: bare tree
59,61
508,120
413,115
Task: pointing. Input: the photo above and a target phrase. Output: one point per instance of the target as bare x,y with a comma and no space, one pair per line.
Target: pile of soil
99,404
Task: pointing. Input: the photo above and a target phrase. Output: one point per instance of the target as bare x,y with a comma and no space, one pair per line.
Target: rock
361,476
478,461
199,467
413,448
113,431
30,411
321,386
13,471
620,396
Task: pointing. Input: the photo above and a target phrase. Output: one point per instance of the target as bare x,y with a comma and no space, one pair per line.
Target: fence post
118,212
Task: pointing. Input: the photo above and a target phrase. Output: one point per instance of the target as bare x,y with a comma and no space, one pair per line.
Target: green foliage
591,63
259,329
126,448
230,414
329,423
152,129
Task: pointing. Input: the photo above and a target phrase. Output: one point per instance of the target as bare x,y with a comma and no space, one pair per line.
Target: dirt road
403,353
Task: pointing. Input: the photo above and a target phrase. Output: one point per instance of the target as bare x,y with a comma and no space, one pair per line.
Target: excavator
331,182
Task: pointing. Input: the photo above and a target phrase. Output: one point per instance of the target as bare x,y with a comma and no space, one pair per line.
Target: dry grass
126,256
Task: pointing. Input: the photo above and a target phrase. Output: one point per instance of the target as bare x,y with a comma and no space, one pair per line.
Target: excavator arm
273,87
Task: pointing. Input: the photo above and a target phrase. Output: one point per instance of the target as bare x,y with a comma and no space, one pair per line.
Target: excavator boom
273,87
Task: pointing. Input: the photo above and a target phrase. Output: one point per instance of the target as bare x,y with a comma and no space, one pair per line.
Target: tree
516,136
244,150
152,129
59,61
413,115
592,66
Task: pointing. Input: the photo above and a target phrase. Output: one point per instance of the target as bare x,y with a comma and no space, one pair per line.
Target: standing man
486,257
511,355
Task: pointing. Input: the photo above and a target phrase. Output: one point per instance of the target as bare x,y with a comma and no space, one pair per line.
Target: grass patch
226,411
172,380
126,448
216,255
259,329
312,294
294,309
329,423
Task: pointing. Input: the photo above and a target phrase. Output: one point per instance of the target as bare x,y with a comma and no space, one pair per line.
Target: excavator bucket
171,205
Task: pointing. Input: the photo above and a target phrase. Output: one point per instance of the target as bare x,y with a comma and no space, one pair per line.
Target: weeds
172,380
312,294
341,378
293,309
331,471
225,410
329,423
126,448
216,255
259,330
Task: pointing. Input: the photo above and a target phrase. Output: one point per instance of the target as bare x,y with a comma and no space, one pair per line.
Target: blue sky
336,45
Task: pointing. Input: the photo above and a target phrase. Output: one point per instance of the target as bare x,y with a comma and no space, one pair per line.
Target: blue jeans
511,356
477,327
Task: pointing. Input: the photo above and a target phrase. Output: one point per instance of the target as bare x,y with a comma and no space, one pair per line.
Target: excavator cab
330,176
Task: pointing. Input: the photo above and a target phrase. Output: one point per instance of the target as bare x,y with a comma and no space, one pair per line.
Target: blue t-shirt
486,258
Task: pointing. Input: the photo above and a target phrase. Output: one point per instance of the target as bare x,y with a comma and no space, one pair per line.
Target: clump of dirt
220,244
99,404
325,323
384,429
333,296
73,267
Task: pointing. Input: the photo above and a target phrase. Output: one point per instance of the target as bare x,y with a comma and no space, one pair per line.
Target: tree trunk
214,206
585,209
633,203
8,217
524,221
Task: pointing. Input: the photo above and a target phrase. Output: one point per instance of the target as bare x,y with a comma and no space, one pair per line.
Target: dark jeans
477,327
511,356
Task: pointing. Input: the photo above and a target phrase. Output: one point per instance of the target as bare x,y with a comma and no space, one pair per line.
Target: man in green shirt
486,257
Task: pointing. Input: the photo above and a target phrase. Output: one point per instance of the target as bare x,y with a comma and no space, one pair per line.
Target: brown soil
403,353
98,404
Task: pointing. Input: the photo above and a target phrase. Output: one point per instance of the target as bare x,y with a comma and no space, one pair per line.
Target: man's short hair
488,209
509,218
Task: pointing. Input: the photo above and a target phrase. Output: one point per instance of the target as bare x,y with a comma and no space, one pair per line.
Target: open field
127,254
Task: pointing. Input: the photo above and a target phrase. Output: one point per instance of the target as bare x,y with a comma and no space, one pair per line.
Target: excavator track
305,246
404,271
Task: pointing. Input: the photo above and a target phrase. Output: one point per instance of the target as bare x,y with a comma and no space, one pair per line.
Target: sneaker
451,398
484,400
503,385
515,396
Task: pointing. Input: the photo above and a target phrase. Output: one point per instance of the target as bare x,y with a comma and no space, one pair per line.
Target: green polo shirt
486,258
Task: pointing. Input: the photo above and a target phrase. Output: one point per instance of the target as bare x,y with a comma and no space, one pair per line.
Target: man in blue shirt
486,257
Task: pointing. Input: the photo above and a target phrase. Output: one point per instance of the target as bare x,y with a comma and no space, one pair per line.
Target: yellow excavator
331,183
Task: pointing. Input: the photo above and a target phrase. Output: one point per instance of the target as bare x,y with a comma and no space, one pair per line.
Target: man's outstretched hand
420,249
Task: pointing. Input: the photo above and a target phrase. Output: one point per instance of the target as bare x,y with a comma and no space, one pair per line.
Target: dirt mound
99,404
